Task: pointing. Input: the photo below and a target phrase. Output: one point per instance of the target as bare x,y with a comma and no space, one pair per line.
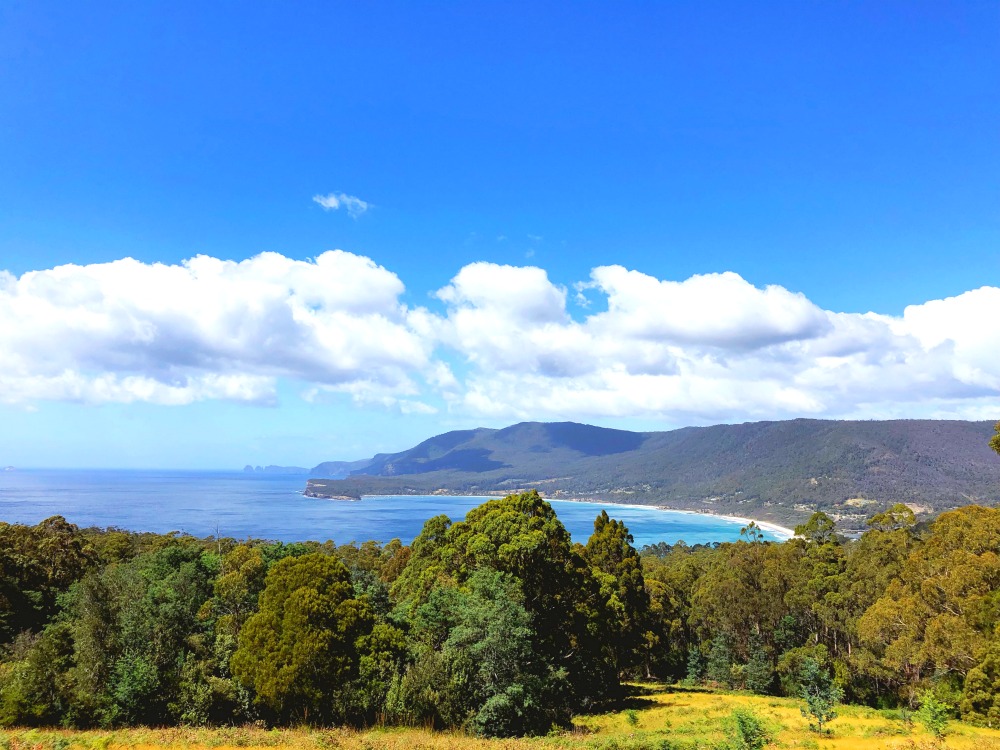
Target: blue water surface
270,506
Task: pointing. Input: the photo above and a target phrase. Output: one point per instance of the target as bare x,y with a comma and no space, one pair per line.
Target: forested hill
778,470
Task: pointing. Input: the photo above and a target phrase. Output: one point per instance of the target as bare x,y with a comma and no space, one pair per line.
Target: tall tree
425,566
133,626
980,702
476,664
873,562
743,593
671,577
520,536
818,597
37,563
300,648
617,567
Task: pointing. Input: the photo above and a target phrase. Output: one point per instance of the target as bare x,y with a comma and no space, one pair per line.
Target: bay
272,506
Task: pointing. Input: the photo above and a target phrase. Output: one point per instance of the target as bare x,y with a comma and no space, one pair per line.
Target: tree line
498,624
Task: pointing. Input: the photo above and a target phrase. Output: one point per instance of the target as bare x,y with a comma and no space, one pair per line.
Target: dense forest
497,624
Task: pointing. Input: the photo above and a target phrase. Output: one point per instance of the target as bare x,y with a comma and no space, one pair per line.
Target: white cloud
205,329
335,201
712,348
498,315
440,376
968,325
370,393
708,348
409,406
70,385
715,309
523,292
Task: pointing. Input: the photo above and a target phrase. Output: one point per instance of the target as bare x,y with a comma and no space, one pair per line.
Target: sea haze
263,506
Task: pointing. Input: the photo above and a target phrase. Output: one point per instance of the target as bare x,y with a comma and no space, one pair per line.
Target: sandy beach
782,532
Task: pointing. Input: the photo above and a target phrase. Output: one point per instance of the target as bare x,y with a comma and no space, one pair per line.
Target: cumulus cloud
205,329
712,348
503,345
498,315
714,309
109,387
335,201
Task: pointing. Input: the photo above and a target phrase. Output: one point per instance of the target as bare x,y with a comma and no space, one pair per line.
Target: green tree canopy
820,693
300,649
133,625
520,536
617,567
939,614
476,665
36,564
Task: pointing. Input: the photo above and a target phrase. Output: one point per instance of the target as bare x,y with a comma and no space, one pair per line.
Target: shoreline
782,532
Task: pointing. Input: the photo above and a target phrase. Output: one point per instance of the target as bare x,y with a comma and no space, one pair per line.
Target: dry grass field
698,718
656,718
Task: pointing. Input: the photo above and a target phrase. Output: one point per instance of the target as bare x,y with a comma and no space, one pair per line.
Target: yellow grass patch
698,718
858,502
657,718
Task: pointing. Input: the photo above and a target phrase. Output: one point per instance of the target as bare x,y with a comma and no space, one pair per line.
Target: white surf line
783,532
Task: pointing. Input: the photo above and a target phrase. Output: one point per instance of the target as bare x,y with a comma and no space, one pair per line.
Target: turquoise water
263,506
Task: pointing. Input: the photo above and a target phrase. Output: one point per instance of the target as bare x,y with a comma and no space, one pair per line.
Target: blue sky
795,166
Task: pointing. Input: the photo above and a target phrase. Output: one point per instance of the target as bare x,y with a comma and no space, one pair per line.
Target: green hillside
781,471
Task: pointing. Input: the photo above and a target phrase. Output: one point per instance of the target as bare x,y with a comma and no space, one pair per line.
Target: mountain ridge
774,470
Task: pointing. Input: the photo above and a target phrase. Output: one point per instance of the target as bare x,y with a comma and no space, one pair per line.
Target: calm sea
265,506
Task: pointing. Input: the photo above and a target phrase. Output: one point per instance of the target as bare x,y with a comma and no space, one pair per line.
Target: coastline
782,532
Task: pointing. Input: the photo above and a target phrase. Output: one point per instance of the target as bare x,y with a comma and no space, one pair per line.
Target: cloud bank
501,344
207,329
715,348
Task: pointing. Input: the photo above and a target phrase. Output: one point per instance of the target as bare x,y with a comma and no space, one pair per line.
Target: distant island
250,469
779,471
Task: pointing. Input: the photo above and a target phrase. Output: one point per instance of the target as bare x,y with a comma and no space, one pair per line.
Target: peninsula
779,472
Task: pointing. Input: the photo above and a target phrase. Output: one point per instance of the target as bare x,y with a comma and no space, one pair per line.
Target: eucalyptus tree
519,537
617,567
300,649
939,615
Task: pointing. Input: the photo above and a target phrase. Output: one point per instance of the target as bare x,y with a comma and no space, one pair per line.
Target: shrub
747,731
933,714
820,693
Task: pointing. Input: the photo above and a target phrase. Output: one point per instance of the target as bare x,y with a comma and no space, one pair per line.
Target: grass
696,718
653,718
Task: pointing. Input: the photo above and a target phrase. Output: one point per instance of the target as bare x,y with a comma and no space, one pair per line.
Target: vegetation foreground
500,626
656,718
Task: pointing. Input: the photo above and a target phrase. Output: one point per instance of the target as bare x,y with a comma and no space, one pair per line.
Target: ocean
271,506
